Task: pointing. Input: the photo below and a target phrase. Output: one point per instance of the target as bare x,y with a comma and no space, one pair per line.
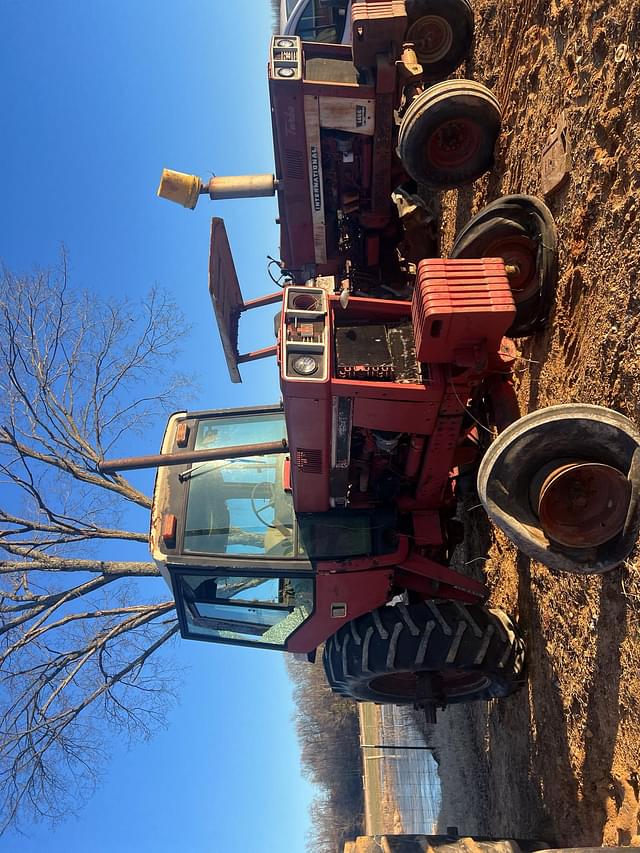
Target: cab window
246,609
323,22
239,506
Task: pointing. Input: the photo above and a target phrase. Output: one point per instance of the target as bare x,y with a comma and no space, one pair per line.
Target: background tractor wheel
435,653
520,229
448,134
442,32
563,483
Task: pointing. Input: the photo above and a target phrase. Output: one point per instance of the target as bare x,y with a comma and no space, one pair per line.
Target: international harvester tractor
330,519
356,130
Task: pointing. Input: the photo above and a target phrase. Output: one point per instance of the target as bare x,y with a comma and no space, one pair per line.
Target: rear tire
448,134
520,229
469,651
515,459
442,31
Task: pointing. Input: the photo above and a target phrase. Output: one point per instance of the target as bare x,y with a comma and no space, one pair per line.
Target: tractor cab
242,565
223,532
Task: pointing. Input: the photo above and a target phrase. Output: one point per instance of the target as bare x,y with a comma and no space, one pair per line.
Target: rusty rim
449,683
583,504
432,38
522,253
454,144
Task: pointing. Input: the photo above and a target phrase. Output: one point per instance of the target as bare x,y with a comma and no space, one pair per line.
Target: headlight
286,72
285,43
305,365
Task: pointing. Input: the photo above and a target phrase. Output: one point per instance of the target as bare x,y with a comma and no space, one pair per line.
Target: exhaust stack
186,189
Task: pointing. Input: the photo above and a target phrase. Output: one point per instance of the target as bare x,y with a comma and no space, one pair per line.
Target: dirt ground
561,760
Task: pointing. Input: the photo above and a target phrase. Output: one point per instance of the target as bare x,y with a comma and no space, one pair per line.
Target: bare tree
79,634
328,734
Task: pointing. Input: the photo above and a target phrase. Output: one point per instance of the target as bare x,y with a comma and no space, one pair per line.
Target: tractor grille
382,353
293,165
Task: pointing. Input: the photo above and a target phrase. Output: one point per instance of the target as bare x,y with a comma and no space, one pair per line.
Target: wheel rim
451,683
432,37
520,252
455,143
583,504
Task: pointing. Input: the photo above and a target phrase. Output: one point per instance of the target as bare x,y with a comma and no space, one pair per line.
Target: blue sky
97,97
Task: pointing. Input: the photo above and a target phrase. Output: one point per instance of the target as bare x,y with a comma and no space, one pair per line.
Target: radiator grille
293,165
377,353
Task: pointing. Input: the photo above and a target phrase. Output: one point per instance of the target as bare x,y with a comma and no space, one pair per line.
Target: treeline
328,731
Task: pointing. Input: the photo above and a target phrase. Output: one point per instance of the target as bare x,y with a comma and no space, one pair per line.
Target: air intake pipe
186,189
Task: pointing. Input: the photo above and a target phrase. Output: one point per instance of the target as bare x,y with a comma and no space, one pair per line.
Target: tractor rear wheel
442,33
520,229
433,653
448,134
563,483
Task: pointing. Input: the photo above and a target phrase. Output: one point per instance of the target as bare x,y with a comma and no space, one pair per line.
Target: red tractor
357,128
331,517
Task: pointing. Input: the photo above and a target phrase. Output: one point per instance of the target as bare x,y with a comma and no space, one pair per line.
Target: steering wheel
257,511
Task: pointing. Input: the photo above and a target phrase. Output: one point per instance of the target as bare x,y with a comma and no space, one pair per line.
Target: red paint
362,593
429,569
364,564
378,28
255,355
427,529
458,305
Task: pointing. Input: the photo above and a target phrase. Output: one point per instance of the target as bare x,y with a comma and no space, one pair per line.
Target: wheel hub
432,37
583,504
454,143
520,253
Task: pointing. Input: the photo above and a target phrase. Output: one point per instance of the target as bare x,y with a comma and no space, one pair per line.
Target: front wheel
448,133
563,483
434,653
520,230
441,32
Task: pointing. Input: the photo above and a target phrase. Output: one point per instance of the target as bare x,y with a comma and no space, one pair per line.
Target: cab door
242,609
